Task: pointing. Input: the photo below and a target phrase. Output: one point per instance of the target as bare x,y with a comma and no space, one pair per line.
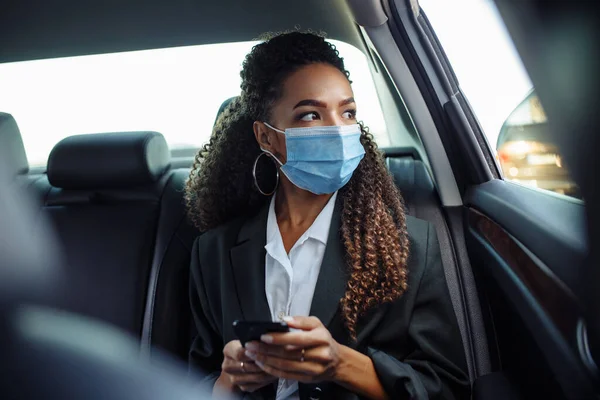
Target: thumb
303,323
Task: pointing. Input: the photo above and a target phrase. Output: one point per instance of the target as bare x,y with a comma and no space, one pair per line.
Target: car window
175,91
492,78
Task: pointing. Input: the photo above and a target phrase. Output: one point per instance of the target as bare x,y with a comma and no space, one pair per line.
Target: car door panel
536,315
559,241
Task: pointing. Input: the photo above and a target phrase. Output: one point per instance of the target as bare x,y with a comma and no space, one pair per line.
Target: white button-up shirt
290,279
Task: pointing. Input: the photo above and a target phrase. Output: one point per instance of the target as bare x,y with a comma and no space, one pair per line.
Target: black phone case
248,331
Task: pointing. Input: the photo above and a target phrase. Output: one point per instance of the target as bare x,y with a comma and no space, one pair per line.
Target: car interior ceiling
120,218
71,28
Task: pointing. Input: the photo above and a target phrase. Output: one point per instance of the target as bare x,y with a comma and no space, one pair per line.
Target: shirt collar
319,230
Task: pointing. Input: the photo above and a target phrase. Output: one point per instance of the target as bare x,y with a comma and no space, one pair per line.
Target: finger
304,323
301,339
240,355
278,351
236,353
296,376
295,366
321,354
232,348
235,367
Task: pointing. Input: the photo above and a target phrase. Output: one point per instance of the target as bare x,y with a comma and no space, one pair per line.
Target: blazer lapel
331,284
248,264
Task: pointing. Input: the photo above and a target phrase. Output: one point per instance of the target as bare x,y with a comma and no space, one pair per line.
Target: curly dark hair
220,187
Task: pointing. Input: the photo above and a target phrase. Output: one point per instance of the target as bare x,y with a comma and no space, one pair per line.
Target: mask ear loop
275,129
256,180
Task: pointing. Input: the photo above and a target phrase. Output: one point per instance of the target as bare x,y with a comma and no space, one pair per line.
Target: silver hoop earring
256,181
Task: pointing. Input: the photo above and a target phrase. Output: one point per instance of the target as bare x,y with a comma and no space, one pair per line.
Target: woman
304,224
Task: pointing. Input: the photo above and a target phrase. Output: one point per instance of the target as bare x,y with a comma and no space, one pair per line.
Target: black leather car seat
118,212
103,200
167,317
48,354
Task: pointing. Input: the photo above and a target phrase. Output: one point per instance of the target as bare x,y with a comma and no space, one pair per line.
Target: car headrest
413,180
12,150
224,106
108,160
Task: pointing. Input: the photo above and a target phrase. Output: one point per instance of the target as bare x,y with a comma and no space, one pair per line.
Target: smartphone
248,331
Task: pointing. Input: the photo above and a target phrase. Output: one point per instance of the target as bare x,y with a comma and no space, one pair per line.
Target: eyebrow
349,100
317,103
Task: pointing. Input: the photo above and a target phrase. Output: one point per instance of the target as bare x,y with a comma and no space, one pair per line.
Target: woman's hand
309,355
238,372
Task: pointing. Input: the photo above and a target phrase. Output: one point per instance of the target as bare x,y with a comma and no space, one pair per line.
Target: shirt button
280,315
315,393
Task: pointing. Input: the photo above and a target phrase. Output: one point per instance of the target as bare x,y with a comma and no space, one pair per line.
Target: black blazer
415,343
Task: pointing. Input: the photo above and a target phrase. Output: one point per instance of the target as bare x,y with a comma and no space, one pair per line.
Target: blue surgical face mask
321,159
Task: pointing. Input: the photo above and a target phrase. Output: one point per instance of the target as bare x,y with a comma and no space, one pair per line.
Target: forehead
317,82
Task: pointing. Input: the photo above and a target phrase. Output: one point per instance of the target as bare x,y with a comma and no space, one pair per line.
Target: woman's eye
350,114
311,116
